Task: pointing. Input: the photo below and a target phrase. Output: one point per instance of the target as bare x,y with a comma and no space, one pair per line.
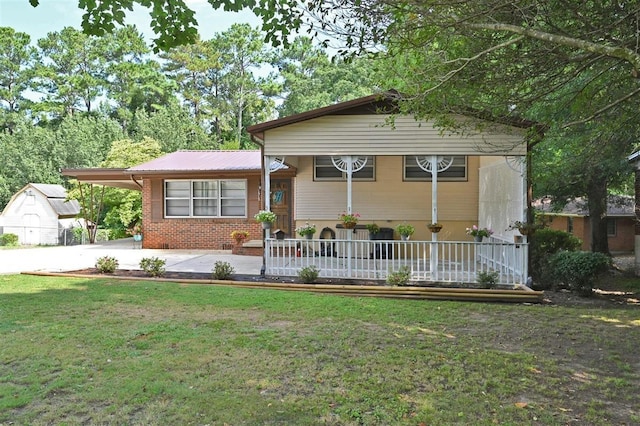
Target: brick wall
195,233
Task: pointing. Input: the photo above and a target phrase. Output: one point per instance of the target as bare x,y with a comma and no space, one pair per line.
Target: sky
54,15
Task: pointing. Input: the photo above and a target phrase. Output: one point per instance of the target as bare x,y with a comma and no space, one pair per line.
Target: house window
323,169
570,225
205,198
456,172
611,227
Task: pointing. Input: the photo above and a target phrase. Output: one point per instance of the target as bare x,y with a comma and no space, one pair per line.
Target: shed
39,214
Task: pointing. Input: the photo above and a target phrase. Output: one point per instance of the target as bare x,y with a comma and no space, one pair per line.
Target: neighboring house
574,218
481,180
39,215
192,199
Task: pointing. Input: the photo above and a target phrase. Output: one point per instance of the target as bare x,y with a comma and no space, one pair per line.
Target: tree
310,79
174,22
173,128
17,59
133,80
71,74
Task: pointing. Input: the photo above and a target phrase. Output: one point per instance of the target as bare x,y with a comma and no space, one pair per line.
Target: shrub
488,279
153,266
399,277
578,270
9,240
107,264
222,270
309,274
543,244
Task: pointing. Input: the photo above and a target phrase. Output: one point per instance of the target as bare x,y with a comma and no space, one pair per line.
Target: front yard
102,351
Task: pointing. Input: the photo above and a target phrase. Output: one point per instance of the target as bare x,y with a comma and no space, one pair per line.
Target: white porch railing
442,261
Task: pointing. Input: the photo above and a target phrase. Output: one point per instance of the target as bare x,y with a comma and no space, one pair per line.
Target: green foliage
405,229
309,274
107,264
488,279
265,216
373,228
8,240
153,266
222,270
543,244
399,277
578,270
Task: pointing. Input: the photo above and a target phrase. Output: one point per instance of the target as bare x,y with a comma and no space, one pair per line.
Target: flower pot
478,238
524,231
309,236
518,239
350,225
266,225
405,237
137,237
435,229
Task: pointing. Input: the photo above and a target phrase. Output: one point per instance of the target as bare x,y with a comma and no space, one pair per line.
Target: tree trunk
597,201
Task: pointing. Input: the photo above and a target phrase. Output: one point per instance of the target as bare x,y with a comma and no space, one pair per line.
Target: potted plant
239,236
406,231
523,227
373,229
307,230
435,227
135,231
479,233
265,217
349,220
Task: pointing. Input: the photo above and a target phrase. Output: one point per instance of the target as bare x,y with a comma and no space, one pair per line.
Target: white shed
40,214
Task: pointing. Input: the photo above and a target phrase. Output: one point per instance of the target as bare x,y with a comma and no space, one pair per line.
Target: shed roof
56,196
50,190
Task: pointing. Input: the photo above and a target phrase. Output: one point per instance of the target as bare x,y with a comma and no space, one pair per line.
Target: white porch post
434,216
349,210
267,185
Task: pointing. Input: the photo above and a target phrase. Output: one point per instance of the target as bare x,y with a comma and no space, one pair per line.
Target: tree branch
603,109
615,52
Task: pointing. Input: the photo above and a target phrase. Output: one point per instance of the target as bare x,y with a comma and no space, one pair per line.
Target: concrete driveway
60,258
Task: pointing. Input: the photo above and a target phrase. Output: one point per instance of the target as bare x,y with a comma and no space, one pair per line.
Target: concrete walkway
61,259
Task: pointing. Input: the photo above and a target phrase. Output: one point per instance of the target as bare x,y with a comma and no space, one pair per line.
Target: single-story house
39,214
574,218
361,157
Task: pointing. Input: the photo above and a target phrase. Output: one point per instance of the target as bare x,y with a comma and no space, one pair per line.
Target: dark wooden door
281,204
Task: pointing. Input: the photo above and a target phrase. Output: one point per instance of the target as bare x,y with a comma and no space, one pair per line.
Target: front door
281,204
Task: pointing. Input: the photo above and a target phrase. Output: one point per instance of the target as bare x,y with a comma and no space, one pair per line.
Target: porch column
434,216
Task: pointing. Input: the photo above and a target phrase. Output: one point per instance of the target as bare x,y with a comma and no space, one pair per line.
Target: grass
101,351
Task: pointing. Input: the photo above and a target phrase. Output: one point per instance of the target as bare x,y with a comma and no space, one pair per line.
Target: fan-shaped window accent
323,169
456,172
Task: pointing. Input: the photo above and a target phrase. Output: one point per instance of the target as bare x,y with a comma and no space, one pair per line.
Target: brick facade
196,233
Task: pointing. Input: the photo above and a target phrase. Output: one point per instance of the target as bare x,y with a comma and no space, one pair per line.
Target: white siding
502,197
22,210
369,135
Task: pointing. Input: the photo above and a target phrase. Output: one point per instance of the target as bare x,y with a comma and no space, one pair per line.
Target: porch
451,262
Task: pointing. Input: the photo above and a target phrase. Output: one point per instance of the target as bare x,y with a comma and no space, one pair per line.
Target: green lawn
101,351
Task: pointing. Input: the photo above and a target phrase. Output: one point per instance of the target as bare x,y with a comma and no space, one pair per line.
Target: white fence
442,261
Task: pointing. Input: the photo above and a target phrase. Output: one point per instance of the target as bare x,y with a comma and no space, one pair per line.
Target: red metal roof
203,161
